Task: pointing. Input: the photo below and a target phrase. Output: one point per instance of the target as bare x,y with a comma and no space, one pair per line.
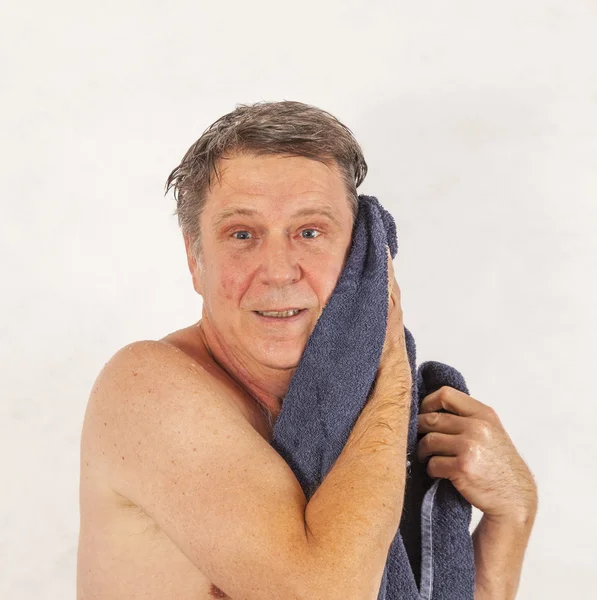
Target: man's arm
499,546
355,513
173,443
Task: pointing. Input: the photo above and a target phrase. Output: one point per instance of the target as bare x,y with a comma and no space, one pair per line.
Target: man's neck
268,396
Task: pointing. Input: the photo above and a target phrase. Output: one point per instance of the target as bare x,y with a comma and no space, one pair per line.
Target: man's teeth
288,313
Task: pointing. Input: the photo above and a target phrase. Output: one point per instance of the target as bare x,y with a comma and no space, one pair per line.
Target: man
181,494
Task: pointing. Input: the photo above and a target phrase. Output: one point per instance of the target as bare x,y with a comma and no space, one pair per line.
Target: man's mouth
286,316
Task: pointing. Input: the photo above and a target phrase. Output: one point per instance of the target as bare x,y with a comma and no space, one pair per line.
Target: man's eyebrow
303,212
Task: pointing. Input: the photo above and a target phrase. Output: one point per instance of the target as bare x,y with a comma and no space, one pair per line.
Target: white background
479,124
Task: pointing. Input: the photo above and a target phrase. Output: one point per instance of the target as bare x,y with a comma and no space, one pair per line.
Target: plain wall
479,125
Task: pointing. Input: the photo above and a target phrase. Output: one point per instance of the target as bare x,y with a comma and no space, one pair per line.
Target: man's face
273,258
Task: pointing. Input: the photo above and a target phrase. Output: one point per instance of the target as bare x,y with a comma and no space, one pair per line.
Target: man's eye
244,231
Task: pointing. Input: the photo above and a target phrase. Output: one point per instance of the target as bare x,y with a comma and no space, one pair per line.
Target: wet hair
265,128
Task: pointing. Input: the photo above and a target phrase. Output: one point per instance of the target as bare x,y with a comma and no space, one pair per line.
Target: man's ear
194,267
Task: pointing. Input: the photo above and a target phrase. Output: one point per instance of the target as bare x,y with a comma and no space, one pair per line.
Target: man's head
274,159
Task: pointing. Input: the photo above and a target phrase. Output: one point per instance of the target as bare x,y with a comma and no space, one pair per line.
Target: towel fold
431,556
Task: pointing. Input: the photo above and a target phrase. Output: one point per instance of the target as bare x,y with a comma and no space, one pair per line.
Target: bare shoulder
158,394
163,366
119,541
150,383
161,357
168,438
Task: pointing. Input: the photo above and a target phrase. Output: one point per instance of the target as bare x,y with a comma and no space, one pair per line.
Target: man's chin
277,357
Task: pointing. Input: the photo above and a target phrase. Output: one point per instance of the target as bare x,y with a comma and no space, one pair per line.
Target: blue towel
431,556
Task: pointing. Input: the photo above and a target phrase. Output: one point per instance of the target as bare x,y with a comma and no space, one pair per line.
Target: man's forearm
500,545
355,513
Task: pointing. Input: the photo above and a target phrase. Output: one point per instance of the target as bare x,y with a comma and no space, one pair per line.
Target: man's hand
476,455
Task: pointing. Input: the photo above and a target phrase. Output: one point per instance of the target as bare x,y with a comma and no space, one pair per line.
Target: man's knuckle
433,418
444,391
465,462
428,440
483,430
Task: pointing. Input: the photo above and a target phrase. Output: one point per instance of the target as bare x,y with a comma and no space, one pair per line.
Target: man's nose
280,261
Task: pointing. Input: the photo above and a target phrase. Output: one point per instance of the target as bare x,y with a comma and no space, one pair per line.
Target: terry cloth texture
431,556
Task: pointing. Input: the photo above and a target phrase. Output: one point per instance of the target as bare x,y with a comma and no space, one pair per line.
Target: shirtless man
181,495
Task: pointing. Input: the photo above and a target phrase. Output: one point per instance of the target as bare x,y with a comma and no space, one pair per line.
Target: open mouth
291,319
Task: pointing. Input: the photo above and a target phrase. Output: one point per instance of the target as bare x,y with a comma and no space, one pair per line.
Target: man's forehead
275,174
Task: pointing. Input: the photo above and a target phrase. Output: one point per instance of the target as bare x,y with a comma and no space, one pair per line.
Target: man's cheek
229,286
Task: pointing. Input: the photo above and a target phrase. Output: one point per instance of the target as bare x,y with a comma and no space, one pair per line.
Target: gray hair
264,128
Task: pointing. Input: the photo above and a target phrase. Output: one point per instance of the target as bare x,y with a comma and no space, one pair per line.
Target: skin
277,268
271,264
469,446
282,261
285,261
276,263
